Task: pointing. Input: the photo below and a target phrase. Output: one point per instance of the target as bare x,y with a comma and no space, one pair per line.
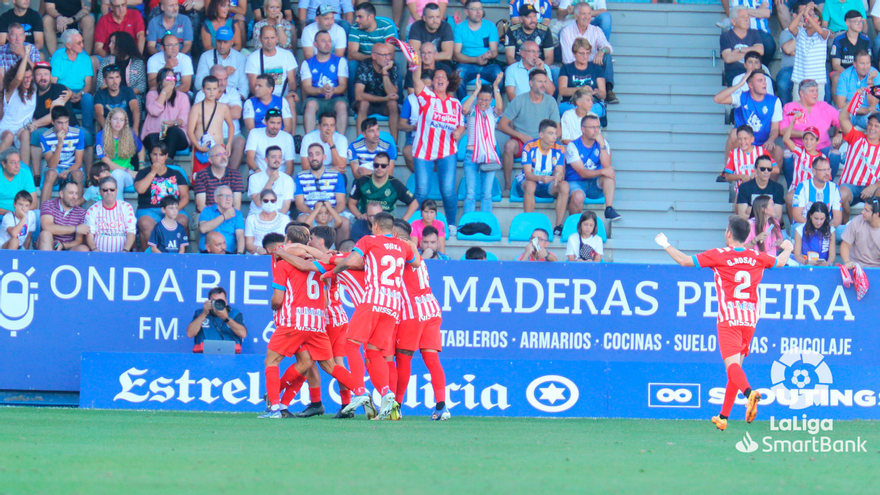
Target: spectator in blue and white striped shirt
362,152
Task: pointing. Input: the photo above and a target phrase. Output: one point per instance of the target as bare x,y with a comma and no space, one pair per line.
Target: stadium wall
520,339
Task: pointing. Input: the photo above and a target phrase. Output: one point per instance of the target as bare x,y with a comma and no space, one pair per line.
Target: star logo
553,389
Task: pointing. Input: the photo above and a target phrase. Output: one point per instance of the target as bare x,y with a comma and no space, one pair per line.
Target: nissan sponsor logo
685,395
552,393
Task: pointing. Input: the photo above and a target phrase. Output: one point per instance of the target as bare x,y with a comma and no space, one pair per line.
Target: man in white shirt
259,140
335,144
602,49
325,20
278,63
171,58
272,178
228,57
231,97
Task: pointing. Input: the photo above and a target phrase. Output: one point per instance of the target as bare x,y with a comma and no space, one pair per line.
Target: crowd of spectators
102,101
809,151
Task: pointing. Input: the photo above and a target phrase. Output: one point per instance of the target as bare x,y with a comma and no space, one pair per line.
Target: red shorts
338,336
733,340
197,166
288,341
519,147
392,349
414,335
370,326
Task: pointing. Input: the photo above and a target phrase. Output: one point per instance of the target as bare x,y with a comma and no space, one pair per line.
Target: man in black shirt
761,185
528,29
29,18
433,29
376,86
845,46
116,96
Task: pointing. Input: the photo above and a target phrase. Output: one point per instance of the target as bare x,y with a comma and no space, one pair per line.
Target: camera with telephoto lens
218,305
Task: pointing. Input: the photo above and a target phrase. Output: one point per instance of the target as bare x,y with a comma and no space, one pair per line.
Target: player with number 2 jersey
738,272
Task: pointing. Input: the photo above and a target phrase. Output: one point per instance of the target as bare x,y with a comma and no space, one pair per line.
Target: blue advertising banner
56,306
485,387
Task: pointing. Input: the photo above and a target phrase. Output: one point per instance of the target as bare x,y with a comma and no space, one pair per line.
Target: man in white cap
325,20
228,57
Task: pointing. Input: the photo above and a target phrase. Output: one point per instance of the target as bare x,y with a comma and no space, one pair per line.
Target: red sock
736,375
392,376
273,385
355,364
290,377
315,394
346,380
438,377
345,396
290,393
404,367
729,396
378,370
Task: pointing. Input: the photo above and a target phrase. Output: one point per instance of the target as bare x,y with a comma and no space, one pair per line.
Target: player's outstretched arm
783,257
297,262
679,257
351,261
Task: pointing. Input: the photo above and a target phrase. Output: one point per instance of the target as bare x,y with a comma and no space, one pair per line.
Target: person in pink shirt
429,218
167,114
816,114
766,233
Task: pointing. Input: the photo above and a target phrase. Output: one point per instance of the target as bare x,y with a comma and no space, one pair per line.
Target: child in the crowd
325,214
168,236
814,242
585,244
17,227
428,209
92,193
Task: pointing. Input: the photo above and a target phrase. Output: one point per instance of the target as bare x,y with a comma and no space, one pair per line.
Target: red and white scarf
858,100
411,55
484,140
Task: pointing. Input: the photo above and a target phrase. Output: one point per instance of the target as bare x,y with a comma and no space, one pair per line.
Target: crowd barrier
520,339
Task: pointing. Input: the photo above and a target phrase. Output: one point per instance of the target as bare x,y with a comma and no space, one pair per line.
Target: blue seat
129,190
489,256
433,190
516,198
179,169
570,227
418,216
478,190
524,224
479,216
186,152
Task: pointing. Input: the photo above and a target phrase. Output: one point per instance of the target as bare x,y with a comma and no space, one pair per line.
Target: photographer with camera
216,321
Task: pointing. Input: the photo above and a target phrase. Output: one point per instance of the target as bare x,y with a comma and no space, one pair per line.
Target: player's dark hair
402,228
745,128
271,238
366,7
825,229
385,221
215,291
368,122
23,195
545,124
738,228
475,253
326,233
588,215
297,233
168,201
345,246
429,230
761,218
297,223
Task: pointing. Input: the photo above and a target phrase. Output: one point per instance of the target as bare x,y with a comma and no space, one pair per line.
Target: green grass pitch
49,450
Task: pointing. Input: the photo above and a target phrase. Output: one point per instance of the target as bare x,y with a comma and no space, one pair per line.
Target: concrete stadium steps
506,251
672,190
683,16
664,74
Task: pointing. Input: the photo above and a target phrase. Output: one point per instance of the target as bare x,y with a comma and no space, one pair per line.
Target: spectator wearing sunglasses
217,174
382,189
760,185
111,221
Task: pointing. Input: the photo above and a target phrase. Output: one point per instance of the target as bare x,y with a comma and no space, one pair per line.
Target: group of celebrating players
395,315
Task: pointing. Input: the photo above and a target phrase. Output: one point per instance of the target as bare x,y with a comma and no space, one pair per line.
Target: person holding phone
536,249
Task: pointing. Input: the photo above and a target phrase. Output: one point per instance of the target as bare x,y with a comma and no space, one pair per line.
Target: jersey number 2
746,282
393,264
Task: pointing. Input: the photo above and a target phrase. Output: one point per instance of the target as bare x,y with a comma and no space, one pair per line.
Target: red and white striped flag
411,55
858,100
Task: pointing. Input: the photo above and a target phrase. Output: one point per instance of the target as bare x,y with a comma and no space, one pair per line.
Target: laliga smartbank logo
17,297
803,376
818,442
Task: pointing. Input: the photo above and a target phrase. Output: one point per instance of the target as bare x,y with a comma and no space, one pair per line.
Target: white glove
661,240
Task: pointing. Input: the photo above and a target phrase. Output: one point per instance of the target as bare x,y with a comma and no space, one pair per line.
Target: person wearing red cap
803,156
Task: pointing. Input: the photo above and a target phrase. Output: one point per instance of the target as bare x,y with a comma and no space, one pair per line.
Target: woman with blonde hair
19,102
285,30
117,146
571,118
582,73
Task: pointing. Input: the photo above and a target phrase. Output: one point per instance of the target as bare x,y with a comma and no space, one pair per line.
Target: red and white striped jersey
862,160
419,302
384,261
738,271
803,165
336,315
303,307
438,119
741,163
352,281
110,225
